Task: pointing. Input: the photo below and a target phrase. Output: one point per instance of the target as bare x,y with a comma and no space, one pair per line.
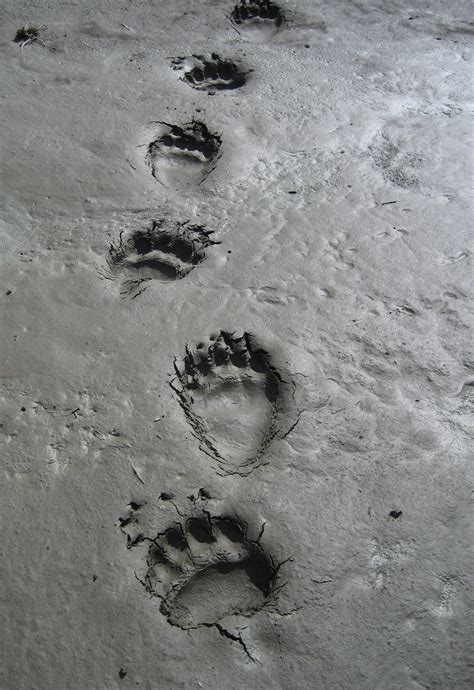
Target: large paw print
183,155
164,251
257,20
208,568
230,393
210,73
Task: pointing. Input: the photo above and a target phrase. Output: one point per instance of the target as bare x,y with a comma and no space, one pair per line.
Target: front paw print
208,568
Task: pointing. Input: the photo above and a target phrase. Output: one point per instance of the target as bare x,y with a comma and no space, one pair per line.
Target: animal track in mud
183,155
257,20
214,74
232,397
207,568
163,251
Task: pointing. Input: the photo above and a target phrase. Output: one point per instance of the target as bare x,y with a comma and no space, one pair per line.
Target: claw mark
236,638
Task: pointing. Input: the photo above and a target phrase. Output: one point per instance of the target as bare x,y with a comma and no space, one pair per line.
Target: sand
237,362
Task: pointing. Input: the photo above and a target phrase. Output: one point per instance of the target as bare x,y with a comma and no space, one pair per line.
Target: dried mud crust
256,12
192,145
207,568
233,398
210,74
163,251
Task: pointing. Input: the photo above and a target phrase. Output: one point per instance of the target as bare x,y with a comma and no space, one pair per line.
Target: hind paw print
231,394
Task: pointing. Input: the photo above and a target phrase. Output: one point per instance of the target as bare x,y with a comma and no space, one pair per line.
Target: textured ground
239,348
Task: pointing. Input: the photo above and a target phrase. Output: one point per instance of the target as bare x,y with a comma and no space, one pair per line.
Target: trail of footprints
205,567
